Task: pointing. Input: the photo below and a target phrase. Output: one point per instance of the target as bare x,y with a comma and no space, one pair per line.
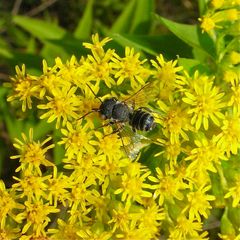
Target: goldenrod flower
150,219
205,102
133,232
230,76
23,85
31,186
109,145
229,138
94,234
132,188
57,188
175,122
64,230
9,232
32,154
211,21
170,151
120,218
97,46
205,156
36,215
8,205
81,194
130,68
63,106
217,3
77,139
234,102
167,75
187,229
198,203
234,192
166,186
234,57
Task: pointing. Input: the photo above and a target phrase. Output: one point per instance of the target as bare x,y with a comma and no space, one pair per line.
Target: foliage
186,180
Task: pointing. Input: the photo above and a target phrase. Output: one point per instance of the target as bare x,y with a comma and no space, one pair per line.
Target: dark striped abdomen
141,120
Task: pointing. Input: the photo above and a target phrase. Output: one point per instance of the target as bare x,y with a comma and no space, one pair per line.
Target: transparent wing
132,142
142,96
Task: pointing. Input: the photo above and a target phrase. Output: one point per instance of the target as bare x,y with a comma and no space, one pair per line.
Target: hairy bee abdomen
141,120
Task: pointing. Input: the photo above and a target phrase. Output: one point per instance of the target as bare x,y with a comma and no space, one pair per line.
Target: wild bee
125,112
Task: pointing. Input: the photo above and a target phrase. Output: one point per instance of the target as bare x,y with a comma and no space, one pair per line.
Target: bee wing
141,97
132,142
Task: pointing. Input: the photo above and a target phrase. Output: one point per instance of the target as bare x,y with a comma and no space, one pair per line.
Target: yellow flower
175,122
170,151
23,86
234,192
9,232
100,68
186,229
132,187
49,81
64,106
109,144
130,68
8,205
234,57
31,186
217,3
229,138
36,216
77,139
97,46
205,102
120,218
166,186
207,23
32,154
57,188
231,76
198,203
167,76
81,192
150,219
205,156
98,234
211,21
64,230
235,97
133,233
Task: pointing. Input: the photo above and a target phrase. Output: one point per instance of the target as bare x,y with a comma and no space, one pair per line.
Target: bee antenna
94,93
86,114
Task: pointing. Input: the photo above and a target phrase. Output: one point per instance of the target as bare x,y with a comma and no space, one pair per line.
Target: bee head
106,108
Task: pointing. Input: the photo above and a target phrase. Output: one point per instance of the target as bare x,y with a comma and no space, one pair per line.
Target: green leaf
39,28
191,34
202,4
141,23
84,27
155,44
122,24
191,65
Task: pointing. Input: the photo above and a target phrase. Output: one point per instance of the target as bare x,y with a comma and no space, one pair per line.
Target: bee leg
104,125
147,109
118,129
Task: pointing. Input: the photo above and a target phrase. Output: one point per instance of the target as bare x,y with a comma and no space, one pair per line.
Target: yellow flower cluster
220,14
101,193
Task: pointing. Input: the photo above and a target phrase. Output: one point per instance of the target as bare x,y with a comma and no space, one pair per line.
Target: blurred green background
33,30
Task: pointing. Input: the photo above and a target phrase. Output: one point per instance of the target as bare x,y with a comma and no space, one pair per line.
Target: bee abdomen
141,120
